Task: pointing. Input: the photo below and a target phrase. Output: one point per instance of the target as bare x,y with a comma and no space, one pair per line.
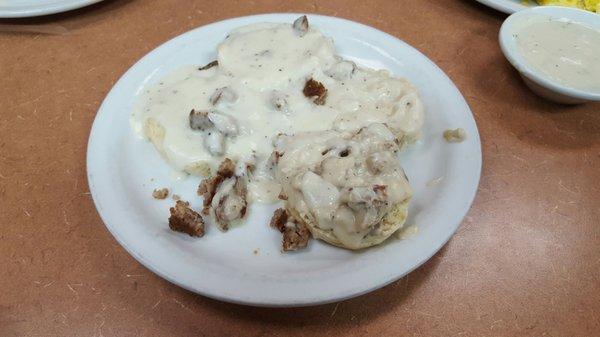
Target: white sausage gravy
566,51
300,121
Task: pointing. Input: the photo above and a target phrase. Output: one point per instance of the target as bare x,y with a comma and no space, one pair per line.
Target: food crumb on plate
434,182
455,136
176,197
160,193
407,232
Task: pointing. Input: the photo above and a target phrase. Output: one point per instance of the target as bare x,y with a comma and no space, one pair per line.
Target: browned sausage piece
186,220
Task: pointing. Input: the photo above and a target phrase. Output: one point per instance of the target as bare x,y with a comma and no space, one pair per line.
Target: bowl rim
508,47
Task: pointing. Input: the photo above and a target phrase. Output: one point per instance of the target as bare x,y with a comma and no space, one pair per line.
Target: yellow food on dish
590,5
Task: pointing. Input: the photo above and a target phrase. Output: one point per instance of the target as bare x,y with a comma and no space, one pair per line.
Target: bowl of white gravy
557,52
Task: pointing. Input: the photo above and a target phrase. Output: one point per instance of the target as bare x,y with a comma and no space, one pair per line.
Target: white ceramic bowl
537,81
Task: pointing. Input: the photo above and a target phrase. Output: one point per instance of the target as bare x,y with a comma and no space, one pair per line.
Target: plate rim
307,301
505,6
26,11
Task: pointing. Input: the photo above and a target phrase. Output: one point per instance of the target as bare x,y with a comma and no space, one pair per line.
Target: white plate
123,170
508,6
27,8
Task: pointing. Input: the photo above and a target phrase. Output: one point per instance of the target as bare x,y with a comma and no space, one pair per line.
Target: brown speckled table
525,262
